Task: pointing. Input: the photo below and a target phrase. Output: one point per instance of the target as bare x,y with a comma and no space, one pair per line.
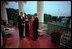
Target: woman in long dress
26,27
31,26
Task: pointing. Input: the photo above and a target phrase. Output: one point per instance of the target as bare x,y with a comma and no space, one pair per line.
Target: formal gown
27,28
31,28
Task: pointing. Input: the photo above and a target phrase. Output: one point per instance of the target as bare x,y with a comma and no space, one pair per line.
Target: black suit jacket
19,20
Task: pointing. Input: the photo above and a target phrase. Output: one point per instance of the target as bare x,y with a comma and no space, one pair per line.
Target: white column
3,11
20,3
40,11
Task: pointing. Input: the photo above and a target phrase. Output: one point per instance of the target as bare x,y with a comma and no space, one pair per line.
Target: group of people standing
31,26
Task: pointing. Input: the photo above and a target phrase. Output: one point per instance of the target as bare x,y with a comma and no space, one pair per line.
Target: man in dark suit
20,21
35,27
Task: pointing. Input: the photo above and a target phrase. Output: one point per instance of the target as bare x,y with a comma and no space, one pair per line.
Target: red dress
31,28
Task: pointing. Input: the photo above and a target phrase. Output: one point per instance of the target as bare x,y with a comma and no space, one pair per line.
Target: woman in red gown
31,26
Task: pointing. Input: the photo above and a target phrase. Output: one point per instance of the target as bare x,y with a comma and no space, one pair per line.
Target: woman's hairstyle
21,12
35,14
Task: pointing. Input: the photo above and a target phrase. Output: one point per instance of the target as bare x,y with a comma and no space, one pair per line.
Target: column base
42,28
